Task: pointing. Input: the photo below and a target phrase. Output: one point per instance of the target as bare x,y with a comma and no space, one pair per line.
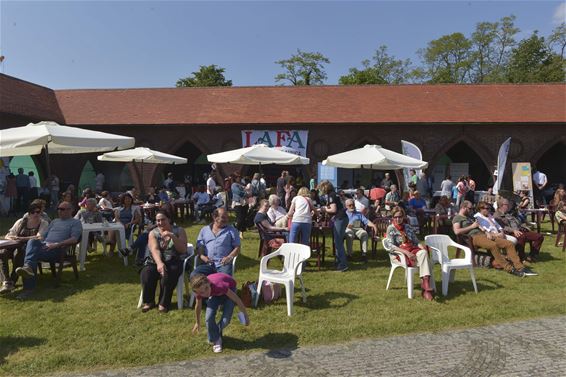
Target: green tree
558,39
492,43
303,68
448,59
384,70
209,75
534,61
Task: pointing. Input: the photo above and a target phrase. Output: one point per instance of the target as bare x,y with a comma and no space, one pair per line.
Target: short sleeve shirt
220,245
220,283
340,212
464,222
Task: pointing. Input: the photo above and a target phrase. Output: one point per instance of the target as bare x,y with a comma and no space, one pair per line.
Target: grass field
93,324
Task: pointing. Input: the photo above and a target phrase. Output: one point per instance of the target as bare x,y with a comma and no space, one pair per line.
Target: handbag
248,294
270,292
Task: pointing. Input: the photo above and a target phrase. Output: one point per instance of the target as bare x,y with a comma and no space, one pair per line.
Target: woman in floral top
402,239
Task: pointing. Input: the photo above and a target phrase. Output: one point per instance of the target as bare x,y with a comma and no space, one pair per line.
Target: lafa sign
288,139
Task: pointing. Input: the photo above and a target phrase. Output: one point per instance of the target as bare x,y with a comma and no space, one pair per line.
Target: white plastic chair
294,255
193,296
181,281
439,244
409,271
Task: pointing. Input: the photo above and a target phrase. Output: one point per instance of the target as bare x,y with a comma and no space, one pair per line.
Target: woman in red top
220,289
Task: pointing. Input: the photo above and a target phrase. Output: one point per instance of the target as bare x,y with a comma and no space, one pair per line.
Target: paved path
526,348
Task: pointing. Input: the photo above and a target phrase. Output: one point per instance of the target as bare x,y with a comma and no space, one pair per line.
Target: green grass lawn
93,324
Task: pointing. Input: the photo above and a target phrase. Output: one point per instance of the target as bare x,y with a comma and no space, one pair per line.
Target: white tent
142,154
258,154
57,139
373,157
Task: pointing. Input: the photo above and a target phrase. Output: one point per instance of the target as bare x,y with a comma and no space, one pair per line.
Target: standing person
423,186
54,187
239,203
462,188
300,213
401,238
27,228
413,178
23,187
470,194
312,182
33,194
211,185
166,243
335,208
446,187
11,191
280,186
220,289
99,182
540,182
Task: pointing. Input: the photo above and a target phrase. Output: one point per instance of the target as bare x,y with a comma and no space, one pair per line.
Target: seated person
418,205
220,290
357,223
262,219
166,243
488,224
128,215
560,214
276,213
361,202
217,245
201,199
401,238
444,211
61,233
392,198
42,204
467,226
515,227
105,206
90,215
152,197
27,228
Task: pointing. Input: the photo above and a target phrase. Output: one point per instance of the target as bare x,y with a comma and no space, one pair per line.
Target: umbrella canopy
141,154
258,154
31,139
373,157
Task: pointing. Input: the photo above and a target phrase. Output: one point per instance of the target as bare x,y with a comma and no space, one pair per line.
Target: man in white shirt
210,185
540,181
361,202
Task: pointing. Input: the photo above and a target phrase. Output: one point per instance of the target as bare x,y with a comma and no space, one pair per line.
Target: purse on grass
248,293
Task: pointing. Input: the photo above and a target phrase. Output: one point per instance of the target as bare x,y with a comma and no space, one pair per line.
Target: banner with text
292,141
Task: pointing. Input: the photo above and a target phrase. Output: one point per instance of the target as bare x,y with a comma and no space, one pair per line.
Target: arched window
87,178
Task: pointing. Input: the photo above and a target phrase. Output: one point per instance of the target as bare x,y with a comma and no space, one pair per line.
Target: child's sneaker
217,346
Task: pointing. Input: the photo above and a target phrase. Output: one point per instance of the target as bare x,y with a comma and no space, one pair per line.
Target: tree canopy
209,75
303,68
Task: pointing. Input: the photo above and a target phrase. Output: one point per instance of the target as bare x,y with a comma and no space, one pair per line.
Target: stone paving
527,348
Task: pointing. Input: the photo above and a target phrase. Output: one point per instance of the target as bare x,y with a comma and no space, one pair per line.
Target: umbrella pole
47,164
142,188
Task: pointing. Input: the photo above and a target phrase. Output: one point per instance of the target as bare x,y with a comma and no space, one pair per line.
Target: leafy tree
304,68
492,43
384,70
448,59
209,75
558,38
534,61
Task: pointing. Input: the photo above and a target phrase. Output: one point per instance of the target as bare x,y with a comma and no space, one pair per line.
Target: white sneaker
217,346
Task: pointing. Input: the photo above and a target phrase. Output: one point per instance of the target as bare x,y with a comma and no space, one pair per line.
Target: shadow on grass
11,344
547,257
459,288
278,345
328,300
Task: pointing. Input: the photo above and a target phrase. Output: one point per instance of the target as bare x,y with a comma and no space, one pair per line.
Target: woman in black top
335,207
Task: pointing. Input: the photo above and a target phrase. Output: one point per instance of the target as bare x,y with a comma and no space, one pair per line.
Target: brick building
450,123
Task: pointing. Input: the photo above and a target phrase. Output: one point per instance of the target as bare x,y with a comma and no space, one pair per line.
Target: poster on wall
522,180
329,173
292,141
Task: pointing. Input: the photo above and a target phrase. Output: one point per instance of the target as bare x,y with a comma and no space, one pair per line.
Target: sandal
163,309
147,307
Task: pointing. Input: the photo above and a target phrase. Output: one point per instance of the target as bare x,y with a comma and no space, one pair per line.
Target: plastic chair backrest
393,256
294,254
441,243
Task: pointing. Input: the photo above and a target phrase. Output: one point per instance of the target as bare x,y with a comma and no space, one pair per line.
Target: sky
144,44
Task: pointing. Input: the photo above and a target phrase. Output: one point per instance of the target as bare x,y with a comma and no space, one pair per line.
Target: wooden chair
561,232
381,222
467,241
68,258
269,240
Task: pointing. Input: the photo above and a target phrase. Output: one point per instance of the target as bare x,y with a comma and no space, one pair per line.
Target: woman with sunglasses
166,243
401,238
24,229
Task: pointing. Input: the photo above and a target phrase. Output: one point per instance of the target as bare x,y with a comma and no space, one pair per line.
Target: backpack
271,292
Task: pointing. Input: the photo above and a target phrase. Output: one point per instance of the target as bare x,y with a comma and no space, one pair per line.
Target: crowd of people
289,210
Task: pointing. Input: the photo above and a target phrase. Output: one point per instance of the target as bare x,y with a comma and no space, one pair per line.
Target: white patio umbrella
373,157
143,155
53,138
258,154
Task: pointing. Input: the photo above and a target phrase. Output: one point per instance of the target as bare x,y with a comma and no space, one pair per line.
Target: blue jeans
302,229
37,251
211,308
209,268
339,232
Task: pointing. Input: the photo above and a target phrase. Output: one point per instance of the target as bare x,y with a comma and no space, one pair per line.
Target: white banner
501,162
293,141
411,150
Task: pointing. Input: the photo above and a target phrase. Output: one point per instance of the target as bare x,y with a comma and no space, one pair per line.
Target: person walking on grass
220,290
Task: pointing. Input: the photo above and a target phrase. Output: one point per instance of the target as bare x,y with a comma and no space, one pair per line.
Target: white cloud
559,14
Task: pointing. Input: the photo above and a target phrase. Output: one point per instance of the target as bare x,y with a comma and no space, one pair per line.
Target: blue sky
129,44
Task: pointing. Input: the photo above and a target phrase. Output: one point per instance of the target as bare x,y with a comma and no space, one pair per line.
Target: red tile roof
525,103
